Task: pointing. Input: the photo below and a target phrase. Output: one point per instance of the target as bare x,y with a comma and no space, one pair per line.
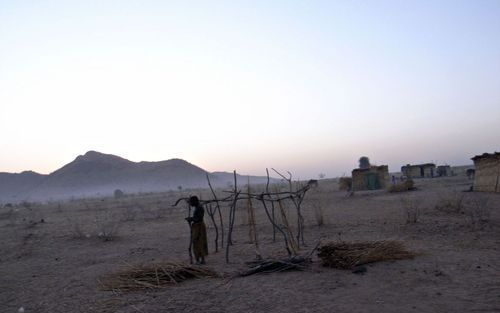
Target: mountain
14,187
99,174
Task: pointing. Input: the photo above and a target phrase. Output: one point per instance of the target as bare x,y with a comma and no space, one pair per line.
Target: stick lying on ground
151,276
345,255
298,263
273,266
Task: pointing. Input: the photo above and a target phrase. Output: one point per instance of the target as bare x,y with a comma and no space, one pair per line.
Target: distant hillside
99,174
13,186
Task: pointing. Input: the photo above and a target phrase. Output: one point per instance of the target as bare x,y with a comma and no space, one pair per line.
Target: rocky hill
99,174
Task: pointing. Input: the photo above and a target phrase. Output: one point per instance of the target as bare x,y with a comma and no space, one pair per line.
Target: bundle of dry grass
402,186
345,255
152,276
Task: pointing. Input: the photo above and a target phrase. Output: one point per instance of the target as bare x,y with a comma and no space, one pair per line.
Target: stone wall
487,176
361,177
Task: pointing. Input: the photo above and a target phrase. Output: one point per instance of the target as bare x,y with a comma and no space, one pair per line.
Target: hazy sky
305,86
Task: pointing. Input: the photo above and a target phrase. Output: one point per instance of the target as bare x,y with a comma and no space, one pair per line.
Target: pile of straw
345,255
152,276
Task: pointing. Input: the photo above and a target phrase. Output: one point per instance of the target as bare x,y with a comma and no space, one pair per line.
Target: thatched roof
495,155
373,167
419,165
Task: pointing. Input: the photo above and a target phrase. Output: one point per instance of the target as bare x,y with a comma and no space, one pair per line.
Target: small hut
487,174
372,178
444,170
426,170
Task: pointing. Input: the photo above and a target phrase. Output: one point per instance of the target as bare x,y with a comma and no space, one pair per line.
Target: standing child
198,230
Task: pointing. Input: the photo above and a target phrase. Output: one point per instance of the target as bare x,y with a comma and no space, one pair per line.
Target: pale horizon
301,87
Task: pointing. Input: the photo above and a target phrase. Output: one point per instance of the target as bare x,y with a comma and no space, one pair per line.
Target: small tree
118,193
364,162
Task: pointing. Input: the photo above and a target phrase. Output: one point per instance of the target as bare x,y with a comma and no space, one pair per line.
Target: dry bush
107,227
9,213
76,229
406,185
345,183
477,211
318,213
129,214
450,202
411,209
160,212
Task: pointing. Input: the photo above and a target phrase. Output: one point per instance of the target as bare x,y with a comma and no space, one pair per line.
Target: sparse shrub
118,194
26,204
477,211
129,214
345,183
160,212
318,214
411,207
10,214
107,227
451,202
76,229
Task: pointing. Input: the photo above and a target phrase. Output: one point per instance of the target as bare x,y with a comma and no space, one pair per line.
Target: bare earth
55,266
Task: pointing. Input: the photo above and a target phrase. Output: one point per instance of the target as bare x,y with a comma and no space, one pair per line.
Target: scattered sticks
297,263
269,200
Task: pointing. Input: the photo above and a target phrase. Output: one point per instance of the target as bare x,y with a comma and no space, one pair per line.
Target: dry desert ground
56,265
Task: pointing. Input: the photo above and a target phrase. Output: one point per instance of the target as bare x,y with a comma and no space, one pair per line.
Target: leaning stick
218,210
272,206
252,230
232,212
211,214
190,248
277,227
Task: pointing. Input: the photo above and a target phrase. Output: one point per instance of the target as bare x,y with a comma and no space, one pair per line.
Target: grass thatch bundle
402,186
345,255
151,276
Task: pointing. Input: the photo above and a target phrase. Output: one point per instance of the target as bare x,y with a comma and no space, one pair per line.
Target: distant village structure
487,174
470,172
444,170
372,178
427,170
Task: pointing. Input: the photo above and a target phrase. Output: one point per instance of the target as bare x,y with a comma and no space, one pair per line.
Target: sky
301,86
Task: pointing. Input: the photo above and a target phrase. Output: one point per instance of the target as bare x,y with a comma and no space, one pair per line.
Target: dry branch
273,266
220,214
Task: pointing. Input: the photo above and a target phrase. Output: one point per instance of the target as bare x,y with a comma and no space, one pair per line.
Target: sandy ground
55,266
